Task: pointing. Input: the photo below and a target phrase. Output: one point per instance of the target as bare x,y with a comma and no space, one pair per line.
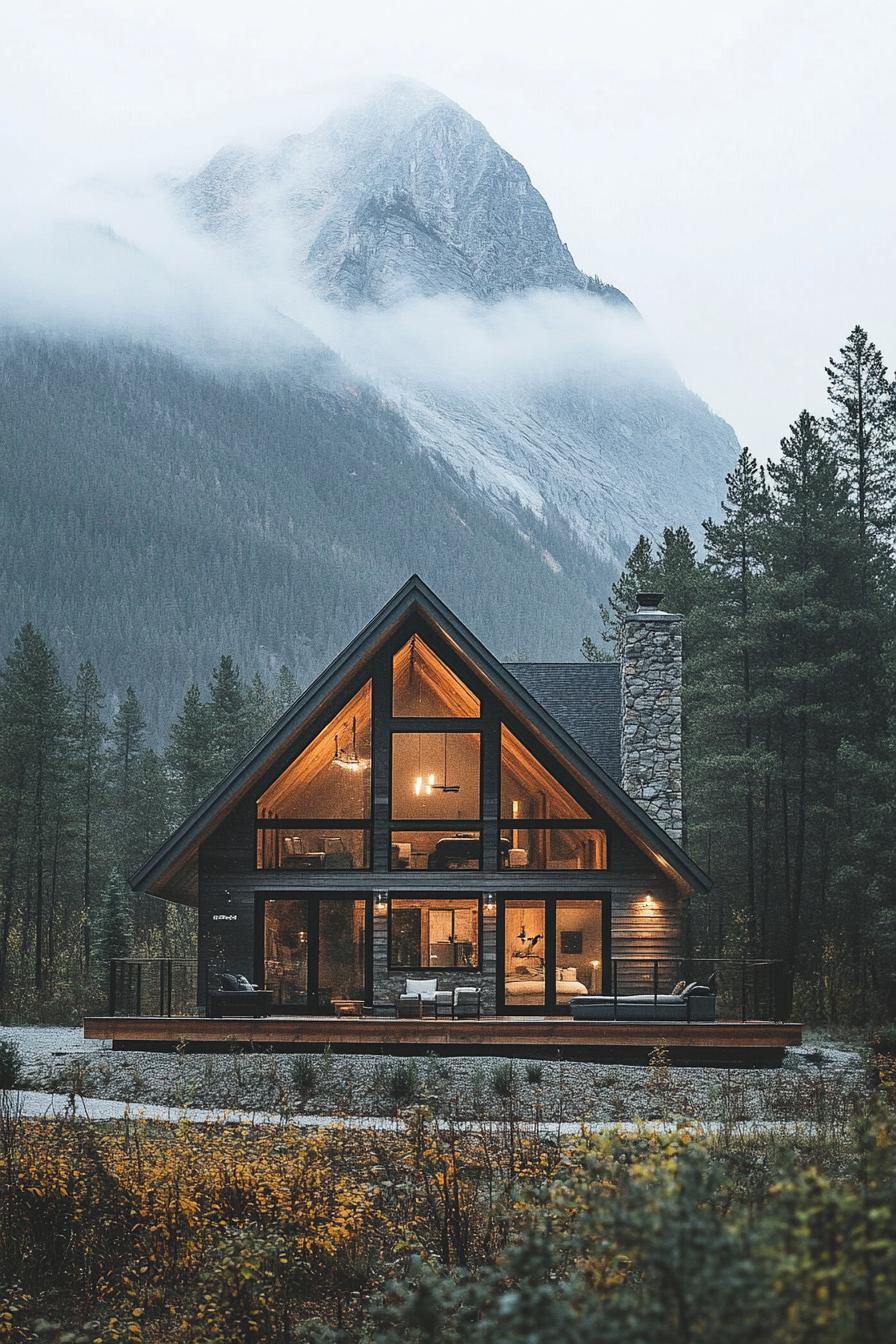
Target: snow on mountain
436,270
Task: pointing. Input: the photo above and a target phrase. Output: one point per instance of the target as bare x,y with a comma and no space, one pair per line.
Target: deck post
743,991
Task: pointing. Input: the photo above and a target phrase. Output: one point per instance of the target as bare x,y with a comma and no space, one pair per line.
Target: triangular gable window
331,777
423,687
528,789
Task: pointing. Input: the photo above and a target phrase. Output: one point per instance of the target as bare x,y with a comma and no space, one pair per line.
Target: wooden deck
549,1037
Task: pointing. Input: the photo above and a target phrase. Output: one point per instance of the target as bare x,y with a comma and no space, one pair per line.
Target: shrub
884,1040
534,1073
305,1075
398,1083
10,1064
502,1081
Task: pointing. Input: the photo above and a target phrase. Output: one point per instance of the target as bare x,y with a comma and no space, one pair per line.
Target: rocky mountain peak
402,195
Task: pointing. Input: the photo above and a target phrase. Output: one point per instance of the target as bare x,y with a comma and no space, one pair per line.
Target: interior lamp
489,904
348,757
381,902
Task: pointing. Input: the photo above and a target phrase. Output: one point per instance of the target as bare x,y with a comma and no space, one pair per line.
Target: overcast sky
728,165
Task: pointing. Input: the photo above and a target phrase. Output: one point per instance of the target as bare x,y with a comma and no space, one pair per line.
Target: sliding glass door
314,950
551,949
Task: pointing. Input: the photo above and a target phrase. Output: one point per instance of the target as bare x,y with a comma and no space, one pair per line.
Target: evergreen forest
790,716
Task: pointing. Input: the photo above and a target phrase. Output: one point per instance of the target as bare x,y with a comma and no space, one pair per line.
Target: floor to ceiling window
551,951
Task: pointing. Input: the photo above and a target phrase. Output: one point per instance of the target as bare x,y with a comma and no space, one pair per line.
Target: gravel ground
820,1081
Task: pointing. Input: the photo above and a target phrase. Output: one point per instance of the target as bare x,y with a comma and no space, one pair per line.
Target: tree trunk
9,884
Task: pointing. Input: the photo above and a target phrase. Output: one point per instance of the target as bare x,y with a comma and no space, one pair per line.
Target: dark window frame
476,731
313,899
558,824
550,899
380,822
426,827
433,898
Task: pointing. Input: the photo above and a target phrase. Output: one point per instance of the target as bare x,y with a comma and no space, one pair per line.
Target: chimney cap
649,601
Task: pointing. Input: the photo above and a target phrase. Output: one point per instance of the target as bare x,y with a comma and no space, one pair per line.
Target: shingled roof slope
585,699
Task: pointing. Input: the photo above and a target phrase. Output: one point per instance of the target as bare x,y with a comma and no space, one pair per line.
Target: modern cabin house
425,812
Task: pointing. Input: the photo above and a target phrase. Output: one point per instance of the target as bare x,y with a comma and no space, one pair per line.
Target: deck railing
153,987
746,989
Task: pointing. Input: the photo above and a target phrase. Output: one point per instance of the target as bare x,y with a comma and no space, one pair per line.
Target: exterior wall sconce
489,907
380,902
649,905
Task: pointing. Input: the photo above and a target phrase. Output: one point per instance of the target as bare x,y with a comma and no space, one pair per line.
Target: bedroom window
552,950
428,933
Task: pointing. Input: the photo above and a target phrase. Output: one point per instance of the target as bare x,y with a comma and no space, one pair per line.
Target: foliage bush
10,1064
438,1235
304,1072
398,1083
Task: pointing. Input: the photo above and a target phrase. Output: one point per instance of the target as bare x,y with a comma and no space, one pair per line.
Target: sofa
694,1003
293,856
236,997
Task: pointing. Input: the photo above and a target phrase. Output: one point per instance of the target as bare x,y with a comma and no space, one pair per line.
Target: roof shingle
585,699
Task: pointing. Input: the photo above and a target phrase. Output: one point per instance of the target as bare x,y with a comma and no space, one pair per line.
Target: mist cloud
111,260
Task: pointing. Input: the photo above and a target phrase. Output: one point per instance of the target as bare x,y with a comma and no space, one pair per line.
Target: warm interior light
380,905
347,757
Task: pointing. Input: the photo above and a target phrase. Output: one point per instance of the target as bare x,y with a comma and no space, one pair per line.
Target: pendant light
347,757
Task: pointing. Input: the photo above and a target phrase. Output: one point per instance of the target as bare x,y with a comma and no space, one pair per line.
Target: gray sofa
695,1003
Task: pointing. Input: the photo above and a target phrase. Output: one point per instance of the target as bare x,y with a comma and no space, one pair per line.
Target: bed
532,987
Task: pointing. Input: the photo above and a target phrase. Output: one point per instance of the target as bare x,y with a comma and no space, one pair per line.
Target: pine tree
815,578
285,692
231,727
89,738
862,426
675,571
35,728
259,708
725,668
127,739
638,575
114,929
189,753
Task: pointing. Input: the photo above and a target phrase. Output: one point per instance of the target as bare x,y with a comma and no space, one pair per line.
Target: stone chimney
651,711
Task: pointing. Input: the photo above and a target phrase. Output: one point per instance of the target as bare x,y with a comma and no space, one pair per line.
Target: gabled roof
163,868
585,699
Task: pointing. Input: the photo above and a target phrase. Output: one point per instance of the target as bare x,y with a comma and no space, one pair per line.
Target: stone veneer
386,987
651,712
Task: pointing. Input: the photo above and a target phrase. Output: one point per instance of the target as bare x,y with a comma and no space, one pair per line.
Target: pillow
243,984
695,991
679,988
567,973
229,981
425,988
